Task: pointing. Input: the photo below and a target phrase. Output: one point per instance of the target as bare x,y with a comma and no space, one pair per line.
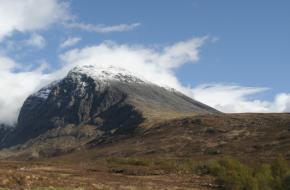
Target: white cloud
282,103
15,87
152,64
30,15
235,99
71,41
103,28
180,53
36,40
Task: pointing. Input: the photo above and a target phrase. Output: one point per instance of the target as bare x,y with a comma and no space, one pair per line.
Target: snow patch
108,74
44,92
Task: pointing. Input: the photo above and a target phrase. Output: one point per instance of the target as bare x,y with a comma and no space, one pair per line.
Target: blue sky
254,36
246,48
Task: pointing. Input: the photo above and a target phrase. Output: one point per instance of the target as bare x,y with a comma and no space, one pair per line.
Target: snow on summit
108,74
99,74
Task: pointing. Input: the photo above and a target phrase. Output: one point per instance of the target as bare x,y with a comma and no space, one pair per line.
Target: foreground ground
174,154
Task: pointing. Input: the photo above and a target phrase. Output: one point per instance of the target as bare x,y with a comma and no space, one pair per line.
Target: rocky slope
91,102
252,138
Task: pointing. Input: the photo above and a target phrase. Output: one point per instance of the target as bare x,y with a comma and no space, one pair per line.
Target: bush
280,168
234,175
230,173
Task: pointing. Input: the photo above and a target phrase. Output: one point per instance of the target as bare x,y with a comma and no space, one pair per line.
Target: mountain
107,128
92,103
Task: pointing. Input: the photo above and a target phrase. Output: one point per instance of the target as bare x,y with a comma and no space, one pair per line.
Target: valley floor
16,175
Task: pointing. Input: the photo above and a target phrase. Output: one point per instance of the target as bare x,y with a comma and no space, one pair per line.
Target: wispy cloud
36,40
230,98
235,98
71,41
21,48
103,28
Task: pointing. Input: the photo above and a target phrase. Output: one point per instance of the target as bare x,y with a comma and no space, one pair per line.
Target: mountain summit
100,100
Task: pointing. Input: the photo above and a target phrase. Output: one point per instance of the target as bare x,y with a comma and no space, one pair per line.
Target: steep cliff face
5,132
112,100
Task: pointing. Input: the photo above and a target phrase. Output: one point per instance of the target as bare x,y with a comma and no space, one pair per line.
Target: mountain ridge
113,100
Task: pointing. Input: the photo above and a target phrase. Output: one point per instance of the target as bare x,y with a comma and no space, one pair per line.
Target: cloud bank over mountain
158,65
155,65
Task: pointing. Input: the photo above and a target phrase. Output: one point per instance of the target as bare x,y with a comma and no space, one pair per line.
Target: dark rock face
5,132
70,103
82,98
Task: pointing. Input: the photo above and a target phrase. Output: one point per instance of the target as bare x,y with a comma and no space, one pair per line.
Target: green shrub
280,168
230,173
233,175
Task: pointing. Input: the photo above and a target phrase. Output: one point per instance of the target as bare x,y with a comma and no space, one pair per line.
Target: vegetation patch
155,165
230,173
233,175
